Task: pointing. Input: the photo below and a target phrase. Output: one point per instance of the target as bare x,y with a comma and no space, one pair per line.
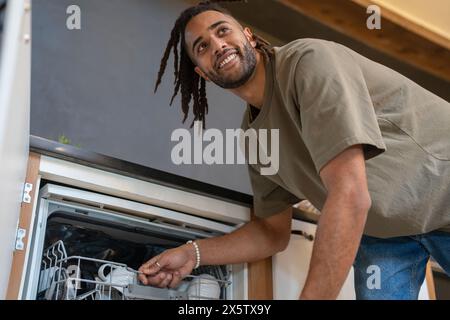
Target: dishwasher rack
63,278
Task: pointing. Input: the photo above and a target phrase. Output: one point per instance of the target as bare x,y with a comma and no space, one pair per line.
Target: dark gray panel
95,85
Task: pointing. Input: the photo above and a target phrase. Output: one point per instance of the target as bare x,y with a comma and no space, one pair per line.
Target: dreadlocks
191,85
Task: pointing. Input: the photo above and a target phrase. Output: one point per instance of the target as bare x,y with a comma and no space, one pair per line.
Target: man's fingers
176,279
152,270
156,280
151,262
162,279
143,278
152,266
166,281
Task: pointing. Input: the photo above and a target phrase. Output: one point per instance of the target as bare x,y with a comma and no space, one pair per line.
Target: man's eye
202,47
223,30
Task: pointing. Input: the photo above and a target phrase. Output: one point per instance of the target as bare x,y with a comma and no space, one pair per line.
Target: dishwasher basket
63,278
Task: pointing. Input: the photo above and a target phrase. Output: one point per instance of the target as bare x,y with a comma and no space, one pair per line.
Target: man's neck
253,91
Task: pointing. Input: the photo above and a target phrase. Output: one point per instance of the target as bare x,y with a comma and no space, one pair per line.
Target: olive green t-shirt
324,98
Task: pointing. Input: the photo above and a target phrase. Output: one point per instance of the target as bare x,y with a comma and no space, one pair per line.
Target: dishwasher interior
83,250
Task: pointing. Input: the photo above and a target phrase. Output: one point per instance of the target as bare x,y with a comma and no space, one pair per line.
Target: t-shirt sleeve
268,197
336,110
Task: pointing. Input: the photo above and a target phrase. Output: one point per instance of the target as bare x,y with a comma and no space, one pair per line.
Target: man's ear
249,34
201,74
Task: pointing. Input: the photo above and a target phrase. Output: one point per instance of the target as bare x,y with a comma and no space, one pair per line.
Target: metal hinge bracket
26,192
20,245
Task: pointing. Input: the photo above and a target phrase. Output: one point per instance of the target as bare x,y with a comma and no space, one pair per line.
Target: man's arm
341,224
256,240
259,239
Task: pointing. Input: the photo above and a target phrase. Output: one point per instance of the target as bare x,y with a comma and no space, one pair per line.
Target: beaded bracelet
197,253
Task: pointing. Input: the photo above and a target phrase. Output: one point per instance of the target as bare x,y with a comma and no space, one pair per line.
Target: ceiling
433,15
416,57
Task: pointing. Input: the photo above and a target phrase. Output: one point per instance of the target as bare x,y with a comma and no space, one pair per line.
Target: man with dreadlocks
363,143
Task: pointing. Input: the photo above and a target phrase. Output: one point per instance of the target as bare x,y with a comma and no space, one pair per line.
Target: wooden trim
26,214
407,23
430,282
260,280
395,39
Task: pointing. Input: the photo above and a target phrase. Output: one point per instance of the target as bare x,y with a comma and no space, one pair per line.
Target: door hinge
26,192
20,245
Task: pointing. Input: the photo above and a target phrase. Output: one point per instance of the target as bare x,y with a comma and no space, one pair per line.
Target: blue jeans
394,268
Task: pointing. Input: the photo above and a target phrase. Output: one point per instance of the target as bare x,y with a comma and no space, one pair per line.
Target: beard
247,64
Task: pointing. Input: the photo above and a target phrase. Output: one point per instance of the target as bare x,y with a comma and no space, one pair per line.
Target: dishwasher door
78,232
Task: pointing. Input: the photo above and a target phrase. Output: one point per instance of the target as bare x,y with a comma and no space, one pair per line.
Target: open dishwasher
88,246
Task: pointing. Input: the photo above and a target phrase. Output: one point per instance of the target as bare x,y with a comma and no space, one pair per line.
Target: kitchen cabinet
290,267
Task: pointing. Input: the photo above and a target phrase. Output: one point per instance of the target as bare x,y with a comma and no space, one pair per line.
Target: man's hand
169,268
341,224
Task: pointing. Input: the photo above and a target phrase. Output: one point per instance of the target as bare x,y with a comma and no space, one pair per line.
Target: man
365,145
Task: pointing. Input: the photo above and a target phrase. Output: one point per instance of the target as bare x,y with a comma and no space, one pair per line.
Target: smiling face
221,49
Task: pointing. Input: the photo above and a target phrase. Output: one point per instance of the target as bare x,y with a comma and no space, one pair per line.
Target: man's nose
219,46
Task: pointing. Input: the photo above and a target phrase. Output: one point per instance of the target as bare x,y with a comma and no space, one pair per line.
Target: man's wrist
191,252
194,252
